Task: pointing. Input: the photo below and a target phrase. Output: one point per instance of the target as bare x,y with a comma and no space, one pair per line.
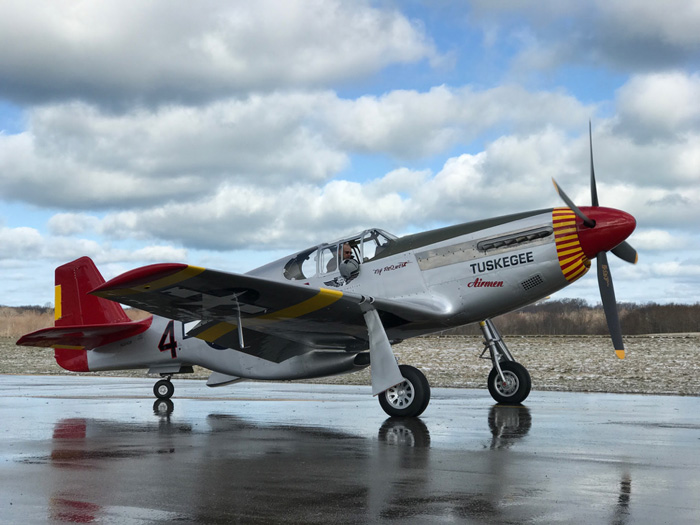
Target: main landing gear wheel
163,389
517,383
409,398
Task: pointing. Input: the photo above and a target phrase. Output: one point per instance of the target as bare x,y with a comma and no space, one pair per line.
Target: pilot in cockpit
347,253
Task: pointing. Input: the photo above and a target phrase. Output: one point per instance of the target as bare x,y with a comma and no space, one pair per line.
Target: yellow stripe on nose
572,260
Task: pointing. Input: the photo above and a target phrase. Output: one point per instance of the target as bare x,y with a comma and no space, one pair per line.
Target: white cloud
244,216
156,254
118,51
512,174
673,21
660,106
28,244
659,240
627,35
412,124
63,224
402,181
19,242
76,155
676,269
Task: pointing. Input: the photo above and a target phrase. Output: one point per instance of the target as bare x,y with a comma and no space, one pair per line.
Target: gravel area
655,364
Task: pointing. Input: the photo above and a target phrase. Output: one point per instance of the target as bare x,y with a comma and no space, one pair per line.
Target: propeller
623,250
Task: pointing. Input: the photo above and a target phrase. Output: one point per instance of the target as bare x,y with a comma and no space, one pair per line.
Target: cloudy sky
226,134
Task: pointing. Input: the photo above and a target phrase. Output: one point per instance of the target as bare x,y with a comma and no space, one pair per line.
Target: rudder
74,305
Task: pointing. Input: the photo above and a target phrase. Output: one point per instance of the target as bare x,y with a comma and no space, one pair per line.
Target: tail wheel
163,389
409,398
515,388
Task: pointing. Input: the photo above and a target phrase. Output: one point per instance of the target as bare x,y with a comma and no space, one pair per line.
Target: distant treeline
562,317
577,317
20,320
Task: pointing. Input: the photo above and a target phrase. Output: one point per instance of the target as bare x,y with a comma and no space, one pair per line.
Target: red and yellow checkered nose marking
573,261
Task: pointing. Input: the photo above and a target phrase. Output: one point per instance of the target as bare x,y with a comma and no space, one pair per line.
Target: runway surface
88,449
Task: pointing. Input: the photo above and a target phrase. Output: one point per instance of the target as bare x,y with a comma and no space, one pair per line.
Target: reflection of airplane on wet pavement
222,468
100,466
319,312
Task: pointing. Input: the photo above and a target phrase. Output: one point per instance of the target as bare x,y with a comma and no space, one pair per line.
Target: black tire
517,386
163,389
409,398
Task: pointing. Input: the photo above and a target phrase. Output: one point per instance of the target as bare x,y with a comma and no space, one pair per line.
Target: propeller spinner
602,230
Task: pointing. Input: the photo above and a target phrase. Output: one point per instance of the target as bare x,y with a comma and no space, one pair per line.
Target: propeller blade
594,190
588,222
607,295
625,252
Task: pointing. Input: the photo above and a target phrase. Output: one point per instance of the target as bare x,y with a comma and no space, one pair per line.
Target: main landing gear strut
509,382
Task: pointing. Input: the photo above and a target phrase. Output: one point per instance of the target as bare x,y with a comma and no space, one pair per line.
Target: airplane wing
277,319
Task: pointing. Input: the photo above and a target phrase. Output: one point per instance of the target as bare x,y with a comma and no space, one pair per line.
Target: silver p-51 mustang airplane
338,307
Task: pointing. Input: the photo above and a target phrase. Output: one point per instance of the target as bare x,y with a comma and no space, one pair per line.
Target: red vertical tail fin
82,321
74,306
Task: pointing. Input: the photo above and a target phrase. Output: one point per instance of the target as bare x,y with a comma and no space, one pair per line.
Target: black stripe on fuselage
418,240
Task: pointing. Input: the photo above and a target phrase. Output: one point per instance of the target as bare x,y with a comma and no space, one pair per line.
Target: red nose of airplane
611,228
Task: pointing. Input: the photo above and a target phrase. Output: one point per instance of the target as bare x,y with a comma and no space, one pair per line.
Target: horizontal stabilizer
84,336
219,379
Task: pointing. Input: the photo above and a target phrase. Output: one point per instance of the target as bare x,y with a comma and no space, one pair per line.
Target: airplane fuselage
464,273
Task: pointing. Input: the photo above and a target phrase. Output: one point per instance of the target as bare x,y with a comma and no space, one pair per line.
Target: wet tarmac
87,449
